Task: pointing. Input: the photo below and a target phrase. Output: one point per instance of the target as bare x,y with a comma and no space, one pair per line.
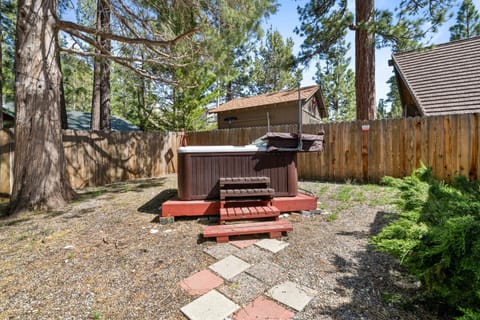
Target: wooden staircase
246,198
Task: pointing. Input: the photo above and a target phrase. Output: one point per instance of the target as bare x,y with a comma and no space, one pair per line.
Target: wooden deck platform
177,208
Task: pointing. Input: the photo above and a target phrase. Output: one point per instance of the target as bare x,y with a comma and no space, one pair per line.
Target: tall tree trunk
101,78
63,106
105,68
1,68
229,93
96,92
40,179
364,61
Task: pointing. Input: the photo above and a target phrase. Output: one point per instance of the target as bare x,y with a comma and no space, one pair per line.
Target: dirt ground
108,257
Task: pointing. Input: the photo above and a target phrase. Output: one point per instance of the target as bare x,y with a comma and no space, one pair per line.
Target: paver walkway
253,287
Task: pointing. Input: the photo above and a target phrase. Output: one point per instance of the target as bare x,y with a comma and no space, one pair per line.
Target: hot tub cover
281,141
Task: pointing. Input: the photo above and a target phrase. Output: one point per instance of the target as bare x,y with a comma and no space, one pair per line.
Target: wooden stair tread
247,192
243,180
250,212
247,228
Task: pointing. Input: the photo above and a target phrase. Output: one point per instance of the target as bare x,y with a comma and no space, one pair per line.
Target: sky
286,19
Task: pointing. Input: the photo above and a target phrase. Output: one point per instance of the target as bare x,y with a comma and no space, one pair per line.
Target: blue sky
286,19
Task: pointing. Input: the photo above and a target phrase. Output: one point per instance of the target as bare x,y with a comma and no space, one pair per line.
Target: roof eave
399,72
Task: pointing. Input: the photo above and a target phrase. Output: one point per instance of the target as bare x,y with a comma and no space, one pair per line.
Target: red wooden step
244,180
250,212
222,232
248,192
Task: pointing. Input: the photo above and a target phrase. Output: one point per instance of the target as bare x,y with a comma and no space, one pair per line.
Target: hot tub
200,167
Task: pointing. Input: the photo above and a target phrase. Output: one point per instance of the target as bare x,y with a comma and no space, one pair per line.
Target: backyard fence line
369,150
98,158
390,147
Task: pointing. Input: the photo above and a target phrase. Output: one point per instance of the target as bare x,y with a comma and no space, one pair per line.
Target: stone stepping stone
243,288
272,245
201,282
222,250
241,244
267,272
263,308
292,295
210,306
229,267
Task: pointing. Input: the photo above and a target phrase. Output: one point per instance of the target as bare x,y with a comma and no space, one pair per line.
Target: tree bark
40,179
101,81
1,68
105,68
364,61
63,106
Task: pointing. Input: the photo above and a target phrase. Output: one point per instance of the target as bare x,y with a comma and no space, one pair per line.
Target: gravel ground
107,257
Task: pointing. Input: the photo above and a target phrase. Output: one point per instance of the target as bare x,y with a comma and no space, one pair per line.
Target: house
441,80
77,120
8,114
272,108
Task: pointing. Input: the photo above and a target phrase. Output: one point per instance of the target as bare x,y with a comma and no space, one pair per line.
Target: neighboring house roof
81,121
78,120
274,98
443,79
8,109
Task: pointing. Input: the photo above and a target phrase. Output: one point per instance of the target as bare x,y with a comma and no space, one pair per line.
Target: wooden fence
394,147
97,158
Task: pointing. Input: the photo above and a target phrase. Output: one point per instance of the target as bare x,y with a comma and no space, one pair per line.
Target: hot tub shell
201,167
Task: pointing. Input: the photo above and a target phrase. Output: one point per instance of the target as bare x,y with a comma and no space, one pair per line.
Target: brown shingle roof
269,99
444,79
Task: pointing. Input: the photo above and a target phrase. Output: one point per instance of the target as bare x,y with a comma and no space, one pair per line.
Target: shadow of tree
380,288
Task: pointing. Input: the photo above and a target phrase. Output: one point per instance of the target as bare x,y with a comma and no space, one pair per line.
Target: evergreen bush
437,237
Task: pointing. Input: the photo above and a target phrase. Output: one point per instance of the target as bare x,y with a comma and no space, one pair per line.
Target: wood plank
447,140
6,151
247,228
464,150
439,147
402,154
341,149
472,173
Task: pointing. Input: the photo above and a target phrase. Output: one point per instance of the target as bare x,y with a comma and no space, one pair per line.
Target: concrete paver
243,243
229,267
263,308
291,294
272,245
267,272
221,250
243,288
201,282
211,306
253,254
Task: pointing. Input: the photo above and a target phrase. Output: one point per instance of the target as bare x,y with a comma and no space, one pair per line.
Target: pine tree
323,23
393,97
274,67
337,82
468,22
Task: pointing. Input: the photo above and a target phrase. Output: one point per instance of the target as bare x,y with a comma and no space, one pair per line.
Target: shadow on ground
154,205
379,285
119,187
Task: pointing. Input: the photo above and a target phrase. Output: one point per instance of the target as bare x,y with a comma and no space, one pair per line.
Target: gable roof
274,98
78,120
444,79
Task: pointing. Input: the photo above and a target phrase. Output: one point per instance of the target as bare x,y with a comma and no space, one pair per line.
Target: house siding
285,113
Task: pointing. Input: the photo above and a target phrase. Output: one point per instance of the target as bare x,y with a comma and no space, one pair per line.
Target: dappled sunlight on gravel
107,257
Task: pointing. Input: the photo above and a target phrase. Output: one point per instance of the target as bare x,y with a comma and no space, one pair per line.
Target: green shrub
437,237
